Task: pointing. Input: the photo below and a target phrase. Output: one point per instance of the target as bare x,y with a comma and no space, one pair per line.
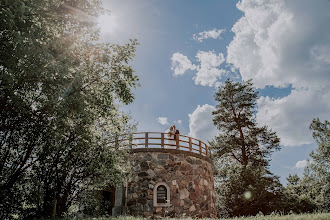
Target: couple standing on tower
172,134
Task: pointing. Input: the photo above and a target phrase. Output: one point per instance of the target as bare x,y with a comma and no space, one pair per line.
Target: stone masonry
188,176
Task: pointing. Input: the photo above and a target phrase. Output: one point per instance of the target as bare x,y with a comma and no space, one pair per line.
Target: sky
188,48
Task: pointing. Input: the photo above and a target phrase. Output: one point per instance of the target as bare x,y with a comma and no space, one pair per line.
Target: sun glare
247,195
107,23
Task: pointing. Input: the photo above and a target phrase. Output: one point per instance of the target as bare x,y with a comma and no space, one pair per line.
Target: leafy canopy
312,190
60,91
317,173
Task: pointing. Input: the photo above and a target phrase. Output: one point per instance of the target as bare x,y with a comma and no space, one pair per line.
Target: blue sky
188,48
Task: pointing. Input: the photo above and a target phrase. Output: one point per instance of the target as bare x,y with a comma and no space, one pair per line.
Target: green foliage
244,190
312,191
317,174
296,196
241,153
89,203
59,112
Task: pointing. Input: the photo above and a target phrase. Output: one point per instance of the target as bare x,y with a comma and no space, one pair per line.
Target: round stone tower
170,177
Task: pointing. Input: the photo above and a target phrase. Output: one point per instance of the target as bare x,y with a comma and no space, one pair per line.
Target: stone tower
170,177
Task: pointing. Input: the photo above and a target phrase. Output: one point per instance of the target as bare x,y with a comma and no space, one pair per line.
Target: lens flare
247,195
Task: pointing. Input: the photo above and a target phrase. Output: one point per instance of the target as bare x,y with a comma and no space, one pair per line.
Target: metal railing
158,140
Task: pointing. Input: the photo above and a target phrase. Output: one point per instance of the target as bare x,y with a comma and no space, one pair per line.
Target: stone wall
190,179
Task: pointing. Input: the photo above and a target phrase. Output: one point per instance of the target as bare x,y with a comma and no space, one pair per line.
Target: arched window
161,195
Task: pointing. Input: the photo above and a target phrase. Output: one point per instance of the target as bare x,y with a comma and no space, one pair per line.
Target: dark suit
176,132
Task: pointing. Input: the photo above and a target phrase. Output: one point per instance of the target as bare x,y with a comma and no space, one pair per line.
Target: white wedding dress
171,140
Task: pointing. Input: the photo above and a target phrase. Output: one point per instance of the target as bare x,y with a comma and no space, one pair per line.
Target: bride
171,141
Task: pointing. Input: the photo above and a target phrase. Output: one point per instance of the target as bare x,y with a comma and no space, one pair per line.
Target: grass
314,216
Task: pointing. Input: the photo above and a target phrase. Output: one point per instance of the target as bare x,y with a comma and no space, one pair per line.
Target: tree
240,138
317,173
312,190
242,152
296,196
59,95
246,190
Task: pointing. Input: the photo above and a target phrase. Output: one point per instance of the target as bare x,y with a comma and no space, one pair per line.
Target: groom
176,132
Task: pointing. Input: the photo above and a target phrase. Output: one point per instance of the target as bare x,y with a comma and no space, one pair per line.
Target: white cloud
180,64
208,72
214,34
280,43
290,116
201,123
301,163
163,120
179,122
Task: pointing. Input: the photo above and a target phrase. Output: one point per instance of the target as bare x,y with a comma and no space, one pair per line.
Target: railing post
200,147
146,140
177,141
206,149
162,140
190,145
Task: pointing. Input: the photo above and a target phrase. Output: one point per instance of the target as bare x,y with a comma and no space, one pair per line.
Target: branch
236,158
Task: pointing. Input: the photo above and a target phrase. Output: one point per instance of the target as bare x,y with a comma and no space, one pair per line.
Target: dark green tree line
59,95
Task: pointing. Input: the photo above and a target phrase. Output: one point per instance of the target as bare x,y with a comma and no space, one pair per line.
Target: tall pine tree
240,137
241,152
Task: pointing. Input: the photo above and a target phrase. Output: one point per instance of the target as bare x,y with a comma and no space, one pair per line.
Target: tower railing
159,140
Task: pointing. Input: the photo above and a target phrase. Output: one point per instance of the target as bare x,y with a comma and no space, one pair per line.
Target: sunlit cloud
213,34
208,71
180,64
301,163
201,123
163,120
179,122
